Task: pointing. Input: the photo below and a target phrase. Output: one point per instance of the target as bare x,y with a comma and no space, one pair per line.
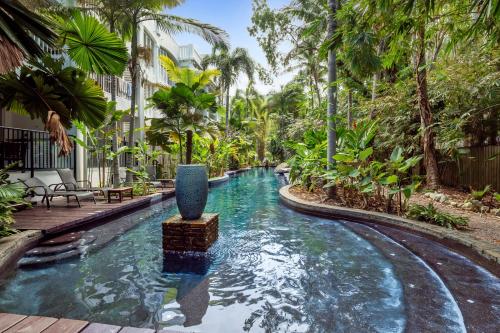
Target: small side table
167,183
122,192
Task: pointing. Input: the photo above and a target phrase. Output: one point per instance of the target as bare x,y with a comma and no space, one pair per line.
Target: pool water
271,270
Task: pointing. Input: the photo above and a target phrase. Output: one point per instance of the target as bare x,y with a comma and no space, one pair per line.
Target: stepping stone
51,250
63,239
38,261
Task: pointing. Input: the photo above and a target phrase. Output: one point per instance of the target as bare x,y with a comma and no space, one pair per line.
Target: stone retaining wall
12,248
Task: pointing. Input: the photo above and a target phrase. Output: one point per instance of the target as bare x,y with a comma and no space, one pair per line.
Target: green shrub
9,194
431,215
479,195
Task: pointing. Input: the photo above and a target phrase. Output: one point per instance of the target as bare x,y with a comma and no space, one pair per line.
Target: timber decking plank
136,330
101,328
8,320
31,324
61,218
66,326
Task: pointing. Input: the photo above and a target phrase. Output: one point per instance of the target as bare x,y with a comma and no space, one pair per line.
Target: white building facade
25,141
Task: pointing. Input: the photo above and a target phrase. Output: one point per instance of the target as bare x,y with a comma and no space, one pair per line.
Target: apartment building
25,141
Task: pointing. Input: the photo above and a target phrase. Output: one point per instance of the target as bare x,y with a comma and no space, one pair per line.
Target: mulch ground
485,227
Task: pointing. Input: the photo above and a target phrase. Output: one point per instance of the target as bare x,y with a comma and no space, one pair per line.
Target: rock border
212,182
483,253
13,247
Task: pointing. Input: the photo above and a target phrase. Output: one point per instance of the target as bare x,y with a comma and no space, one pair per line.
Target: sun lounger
36,187
71,184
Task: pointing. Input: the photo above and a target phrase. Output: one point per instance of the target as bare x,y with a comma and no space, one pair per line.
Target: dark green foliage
9,194
431,215
47,84
233,163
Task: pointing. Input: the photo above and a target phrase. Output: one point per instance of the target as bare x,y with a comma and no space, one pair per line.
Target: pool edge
485,254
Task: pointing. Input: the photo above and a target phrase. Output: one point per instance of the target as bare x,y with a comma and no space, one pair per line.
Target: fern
431,215
479,195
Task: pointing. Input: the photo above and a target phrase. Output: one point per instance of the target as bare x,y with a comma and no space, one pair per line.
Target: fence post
51,157
32,156
74,161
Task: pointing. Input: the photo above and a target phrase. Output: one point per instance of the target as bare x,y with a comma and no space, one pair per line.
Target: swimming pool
271,270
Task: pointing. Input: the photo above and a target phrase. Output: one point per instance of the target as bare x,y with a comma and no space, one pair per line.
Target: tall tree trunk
375,79
311,93
115,165
135,82
349,108
228,113
261,150
189,146
428,137
316,86
332,89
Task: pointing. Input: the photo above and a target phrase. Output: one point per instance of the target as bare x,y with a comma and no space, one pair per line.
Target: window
164,75
149,45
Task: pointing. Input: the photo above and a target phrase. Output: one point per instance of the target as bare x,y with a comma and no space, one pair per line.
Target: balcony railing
123,88
31,151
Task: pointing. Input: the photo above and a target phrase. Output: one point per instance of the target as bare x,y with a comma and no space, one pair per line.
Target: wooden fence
476,169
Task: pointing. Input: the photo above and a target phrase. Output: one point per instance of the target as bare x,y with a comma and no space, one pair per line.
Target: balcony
31,151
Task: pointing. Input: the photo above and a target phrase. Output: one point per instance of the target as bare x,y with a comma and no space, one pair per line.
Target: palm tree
139,11
112,13
18,26
231,64
183,105
332,89
261,122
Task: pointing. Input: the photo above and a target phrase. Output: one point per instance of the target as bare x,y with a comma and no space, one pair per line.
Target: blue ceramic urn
191,190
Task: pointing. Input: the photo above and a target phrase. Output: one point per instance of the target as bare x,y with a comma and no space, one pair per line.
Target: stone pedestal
194,235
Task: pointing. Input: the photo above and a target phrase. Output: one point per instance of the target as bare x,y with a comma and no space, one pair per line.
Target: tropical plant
261,122
308,163
91,46
430,214
144,156
398,180
10,194
230,64
185,106
479,195
154,10
19,25
111,13
45,88
98,143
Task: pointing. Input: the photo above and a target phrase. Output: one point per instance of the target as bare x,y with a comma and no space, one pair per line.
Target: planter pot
191,190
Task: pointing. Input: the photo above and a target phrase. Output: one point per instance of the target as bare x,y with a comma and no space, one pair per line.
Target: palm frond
17,26
174,24
92,46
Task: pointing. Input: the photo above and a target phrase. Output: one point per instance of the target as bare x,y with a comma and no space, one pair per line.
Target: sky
234,16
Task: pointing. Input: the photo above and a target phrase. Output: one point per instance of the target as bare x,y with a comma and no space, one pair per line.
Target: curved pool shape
271,270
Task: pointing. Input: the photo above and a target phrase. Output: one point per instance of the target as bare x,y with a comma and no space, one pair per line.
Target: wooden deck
13,323
63,217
